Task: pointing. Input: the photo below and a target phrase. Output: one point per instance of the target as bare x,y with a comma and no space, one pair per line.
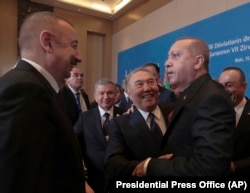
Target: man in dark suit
93,133
75,99
119,92
131,137
165,95
39,151
125,102
234,81
200,132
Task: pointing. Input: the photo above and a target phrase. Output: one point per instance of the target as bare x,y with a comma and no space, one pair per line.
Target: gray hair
126,81
104,81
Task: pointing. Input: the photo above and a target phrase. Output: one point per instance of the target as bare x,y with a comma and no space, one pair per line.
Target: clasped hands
139,170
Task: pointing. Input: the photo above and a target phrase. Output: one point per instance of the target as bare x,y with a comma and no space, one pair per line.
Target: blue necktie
78,101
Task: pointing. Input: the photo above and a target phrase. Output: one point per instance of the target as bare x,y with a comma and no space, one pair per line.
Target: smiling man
136,136
92,132
234,81
39,151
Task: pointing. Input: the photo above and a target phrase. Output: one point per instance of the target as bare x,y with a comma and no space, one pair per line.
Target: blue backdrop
227,34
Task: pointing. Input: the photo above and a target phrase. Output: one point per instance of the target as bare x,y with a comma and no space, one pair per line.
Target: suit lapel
98,125
166,109
138,123
186,97
23,65
182,100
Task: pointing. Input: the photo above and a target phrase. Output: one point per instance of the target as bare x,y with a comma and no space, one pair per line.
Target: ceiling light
120,5
101,7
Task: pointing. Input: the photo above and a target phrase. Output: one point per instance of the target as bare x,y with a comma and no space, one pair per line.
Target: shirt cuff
145,166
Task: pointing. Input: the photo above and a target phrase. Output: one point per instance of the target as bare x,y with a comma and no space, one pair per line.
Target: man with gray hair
92,132
139,134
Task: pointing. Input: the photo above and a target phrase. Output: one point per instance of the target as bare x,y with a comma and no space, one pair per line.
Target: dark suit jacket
89,131
39,151
70,103
241,155
166,95
125,103
199,134
130,142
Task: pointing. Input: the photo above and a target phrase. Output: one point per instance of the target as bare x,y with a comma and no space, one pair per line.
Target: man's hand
139,170
88,188
130,110
232,167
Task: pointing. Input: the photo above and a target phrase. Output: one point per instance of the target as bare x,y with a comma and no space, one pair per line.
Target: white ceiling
86,6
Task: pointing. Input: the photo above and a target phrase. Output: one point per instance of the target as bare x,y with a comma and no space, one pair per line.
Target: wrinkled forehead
141,75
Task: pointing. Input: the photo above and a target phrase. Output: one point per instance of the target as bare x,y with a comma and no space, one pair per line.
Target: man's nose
78,56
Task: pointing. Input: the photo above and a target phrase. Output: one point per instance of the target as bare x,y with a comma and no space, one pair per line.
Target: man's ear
199,61
45,41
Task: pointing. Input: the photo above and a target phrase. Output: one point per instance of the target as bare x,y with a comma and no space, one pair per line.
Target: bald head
51,42
34,24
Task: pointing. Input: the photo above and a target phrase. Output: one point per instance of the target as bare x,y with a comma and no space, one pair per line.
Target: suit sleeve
78,129
116,162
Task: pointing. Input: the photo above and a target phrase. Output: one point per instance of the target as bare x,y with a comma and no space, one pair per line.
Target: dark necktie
154,128
129,103
78,101
106,123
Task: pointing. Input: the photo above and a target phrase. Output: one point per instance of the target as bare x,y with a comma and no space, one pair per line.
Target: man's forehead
105,86
139,74
177,48
76,70
232,74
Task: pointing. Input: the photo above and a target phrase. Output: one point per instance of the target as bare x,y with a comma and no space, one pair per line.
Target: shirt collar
241,104
73,90
44,73
156,112
102,111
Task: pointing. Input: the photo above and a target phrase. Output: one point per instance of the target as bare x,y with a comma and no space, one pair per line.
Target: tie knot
77,94
151,116
106,115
